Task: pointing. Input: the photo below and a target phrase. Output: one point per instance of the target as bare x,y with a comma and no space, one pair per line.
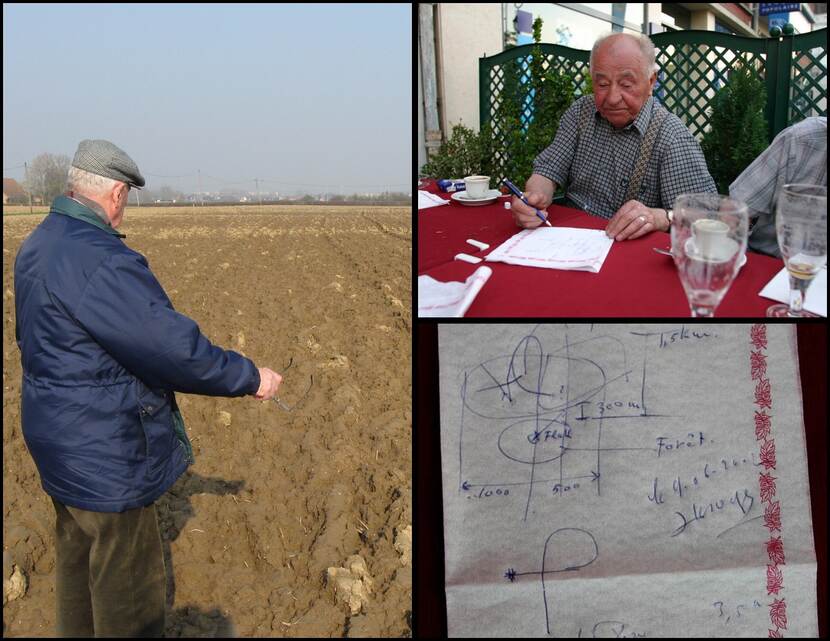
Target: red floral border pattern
766,480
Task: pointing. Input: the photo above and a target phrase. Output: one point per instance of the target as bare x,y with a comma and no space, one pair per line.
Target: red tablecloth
634,280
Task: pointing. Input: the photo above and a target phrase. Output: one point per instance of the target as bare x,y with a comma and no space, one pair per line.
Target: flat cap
102,158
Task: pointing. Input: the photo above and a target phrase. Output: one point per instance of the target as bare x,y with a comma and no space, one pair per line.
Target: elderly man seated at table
619,153
797,155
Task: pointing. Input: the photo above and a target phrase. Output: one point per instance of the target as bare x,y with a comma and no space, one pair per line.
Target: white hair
88,183
649,53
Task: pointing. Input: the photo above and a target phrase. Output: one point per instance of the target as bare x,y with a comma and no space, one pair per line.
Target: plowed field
275,498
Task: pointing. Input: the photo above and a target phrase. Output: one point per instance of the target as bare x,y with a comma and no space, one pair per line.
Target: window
579,25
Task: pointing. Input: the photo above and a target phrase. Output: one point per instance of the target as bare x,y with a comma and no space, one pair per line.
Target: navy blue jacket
102,351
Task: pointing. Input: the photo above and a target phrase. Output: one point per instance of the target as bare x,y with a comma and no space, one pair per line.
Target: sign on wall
767,8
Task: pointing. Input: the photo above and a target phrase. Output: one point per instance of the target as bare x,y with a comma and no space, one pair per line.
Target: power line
281,182
160,176
275,181
256,181
227,182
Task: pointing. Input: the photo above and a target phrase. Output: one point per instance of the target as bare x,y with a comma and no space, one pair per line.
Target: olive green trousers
110,573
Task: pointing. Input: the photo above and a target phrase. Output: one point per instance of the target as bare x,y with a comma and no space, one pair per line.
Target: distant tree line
389,199
386,198
46,178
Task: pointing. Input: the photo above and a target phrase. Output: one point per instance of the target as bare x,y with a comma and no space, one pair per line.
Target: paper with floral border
643,480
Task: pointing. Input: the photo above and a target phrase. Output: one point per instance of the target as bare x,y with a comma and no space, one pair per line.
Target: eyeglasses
301,399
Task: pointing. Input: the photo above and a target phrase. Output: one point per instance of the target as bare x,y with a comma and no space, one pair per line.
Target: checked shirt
797,155
595,165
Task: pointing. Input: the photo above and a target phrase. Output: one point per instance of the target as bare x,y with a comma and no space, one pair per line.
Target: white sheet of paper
451,299
625,480
555,248
426,200
815,299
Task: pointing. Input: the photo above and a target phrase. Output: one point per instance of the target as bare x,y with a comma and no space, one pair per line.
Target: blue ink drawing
582,551
548,416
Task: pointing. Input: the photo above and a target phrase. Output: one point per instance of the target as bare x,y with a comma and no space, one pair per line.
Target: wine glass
708,237
801,226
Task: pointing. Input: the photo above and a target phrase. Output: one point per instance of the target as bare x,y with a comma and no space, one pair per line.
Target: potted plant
738,131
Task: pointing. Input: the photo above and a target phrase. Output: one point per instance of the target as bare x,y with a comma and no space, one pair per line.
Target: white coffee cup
477,186
710,237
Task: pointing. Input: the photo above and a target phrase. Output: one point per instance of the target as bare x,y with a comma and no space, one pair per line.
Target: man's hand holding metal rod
269,382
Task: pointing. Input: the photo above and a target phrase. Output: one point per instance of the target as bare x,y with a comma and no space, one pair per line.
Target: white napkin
426,199
449,299
815,298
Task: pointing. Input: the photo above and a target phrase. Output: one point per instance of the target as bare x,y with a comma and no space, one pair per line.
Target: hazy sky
307,98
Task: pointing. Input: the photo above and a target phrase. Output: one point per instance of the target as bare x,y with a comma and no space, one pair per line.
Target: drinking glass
708,237
801,226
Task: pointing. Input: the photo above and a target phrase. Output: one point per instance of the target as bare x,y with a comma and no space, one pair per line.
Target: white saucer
464,199
690,251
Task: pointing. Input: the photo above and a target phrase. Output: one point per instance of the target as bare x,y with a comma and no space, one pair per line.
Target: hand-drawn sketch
549,409
570,538
578,460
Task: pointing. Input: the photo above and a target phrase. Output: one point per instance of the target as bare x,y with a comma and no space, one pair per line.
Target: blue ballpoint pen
521,197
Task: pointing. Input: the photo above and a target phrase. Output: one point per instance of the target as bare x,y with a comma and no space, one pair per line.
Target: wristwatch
670,215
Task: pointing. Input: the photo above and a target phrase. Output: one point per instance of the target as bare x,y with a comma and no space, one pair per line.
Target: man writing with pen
618,153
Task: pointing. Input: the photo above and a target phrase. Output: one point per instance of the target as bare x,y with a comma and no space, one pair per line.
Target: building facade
452,37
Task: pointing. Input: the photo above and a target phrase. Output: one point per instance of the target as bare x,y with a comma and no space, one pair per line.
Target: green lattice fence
505,94
692,71
808,76
693,66
515,127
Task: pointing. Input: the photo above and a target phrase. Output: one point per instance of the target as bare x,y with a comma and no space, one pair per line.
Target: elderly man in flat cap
618,152
103,351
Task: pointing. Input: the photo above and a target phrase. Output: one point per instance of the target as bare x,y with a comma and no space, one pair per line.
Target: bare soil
275,498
